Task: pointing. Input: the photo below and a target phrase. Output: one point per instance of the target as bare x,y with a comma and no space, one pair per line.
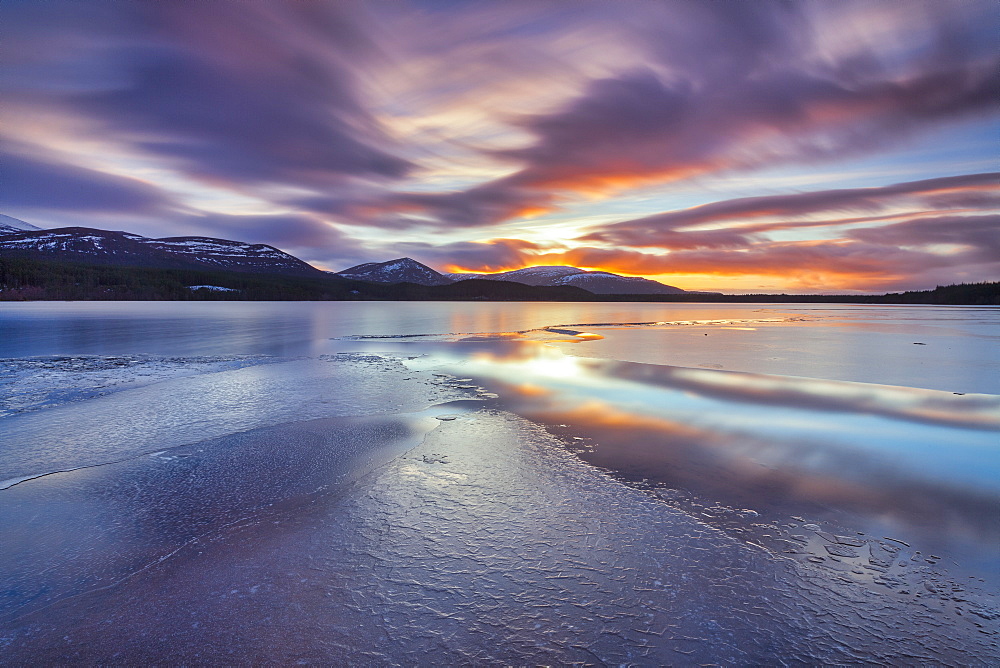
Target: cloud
670,239
31,182
238,94
826,265
481,206
730,88
662,230
484,256
980,235
639,129
285,230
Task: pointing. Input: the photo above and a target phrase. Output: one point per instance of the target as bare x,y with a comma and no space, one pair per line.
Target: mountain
102,247
598,282
35,279
528,275
606,283
9,224
400,270
84,245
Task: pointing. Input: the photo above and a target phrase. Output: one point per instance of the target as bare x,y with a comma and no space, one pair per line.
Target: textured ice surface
490,544
42,382
82,530
184,410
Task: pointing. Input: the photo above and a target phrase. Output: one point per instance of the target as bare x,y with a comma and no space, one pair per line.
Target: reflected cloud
898,403
771,443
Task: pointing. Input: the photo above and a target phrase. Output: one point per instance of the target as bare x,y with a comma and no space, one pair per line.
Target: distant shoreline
23,279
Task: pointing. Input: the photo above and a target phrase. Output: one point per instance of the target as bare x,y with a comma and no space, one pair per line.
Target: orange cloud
607,179
891,257
532,211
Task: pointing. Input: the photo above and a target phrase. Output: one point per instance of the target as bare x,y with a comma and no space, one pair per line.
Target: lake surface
482,482
960,349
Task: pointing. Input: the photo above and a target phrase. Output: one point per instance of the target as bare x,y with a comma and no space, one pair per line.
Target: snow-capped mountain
103,247
528,275
227,254
401,270
10,224
606,283
598,282
93,246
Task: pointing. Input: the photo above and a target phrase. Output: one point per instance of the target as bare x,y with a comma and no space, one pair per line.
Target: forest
29,280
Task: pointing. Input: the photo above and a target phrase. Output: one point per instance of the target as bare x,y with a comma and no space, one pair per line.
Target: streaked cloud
734,91
966,191
47,183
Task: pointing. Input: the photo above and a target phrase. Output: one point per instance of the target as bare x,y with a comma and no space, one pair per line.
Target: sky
809,146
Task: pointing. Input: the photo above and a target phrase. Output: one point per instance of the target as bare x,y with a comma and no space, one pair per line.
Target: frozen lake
872,344
413,483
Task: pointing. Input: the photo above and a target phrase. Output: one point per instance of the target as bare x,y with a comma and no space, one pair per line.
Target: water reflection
958,347
919,463
872,344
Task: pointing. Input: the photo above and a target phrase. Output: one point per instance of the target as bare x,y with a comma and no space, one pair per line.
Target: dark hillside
33,279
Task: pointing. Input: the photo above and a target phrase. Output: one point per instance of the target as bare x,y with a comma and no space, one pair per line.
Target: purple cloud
276,230
245,94
491,255
971,190
36,183
979,236
731,87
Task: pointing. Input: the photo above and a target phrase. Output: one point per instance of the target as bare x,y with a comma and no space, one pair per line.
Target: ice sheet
865,343
184,410
489,543
43,382
89,529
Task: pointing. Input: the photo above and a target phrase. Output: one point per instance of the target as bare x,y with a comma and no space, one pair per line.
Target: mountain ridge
408,270
115,248
400,270
19,239
598,282
11,224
